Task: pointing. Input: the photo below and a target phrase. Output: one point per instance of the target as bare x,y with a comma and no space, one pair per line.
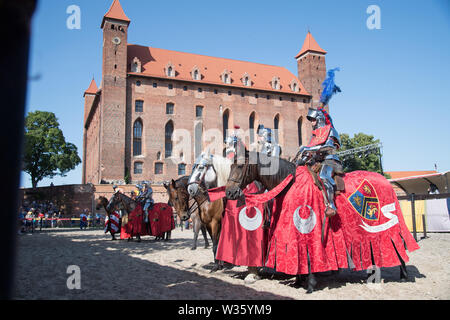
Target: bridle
241,178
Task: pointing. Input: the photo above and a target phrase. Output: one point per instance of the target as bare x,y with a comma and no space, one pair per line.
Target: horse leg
138,237
403,271
205,235
215,237
311,280
252,275
194,247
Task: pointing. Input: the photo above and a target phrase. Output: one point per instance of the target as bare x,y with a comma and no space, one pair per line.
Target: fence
46,223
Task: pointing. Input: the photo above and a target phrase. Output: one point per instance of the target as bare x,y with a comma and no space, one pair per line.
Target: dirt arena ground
171,270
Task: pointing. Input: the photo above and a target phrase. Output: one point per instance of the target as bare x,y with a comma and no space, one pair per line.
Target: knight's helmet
234,144
264,133
319,116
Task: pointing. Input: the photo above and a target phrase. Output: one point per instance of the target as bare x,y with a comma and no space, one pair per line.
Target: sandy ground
171,270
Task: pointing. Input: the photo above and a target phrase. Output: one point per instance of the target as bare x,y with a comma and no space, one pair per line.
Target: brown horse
103,202
210,212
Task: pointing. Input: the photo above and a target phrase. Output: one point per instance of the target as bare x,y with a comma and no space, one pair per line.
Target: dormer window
195,73
276,83
170,70
226,77
294,86
246,80
136,65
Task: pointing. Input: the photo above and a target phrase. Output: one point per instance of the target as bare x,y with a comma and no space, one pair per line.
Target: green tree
369,161
46,152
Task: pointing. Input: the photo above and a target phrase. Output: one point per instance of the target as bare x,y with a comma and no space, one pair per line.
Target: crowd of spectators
46,214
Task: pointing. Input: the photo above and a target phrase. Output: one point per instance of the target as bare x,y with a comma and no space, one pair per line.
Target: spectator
83,220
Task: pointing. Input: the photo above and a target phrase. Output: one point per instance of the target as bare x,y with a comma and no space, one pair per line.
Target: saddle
338,177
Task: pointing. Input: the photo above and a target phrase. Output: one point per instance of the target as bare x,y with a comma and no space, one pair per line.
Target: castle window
170,108
181,169
137,168
276,124
256,95
155,85
139,106
226,77
268,97
112,27
242,94
198,111
251,125
158,168
276,83
200,90
185,88
229,93
169,71
299,131
170,86
168,139
195,73
225,119
138,83
216,91
137,138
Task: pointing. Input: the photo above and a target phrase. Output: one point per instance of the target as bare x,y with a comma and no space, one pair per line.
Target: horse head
179,197
202,173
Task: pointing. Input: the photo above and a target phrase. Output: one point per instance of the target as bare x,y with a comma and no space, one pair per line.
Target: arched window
276,126
251,126
181,169
168,139
169,71
299,131
195,74
198,134
137,138
225,120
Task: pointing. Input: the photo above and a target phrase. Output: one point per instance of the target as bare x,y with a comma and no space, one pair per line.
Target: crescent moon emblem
250,224
307,225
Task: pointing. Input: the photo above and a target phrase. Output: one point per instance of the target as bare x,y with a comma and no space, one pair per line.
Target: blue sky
395,81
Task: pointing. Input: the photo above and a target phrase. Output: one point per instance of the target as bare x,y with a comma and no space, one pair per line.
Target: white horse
213,171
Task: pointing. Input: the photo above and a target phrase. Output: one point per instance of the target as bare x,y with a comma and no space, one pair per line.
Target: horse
134,217
103,202
210,213
213,171
272,172
196,222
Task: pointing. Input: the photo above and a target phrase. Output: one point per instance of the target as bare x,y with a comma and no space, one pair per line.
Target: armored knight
146,197
267,145
324,142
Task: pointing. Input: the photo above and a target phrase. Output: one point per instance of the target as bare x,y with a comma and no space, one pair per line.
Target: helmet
319,116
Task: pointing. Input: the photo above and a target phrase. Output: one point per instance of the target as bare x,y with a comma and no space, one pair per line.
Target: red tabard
368,218
320,136
161,219
243,240
135,224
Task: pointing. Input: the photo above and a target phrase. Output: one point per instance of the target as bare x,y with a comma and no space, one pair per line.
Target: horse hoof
251,278
310,290
193,248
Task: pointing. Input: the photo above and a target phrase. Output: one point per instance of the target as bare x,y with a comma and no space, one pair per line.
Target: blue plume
329,88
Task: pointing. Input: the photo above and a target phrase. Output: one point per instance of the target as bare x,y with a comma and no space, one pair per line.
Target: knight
266,143
146,198
325,141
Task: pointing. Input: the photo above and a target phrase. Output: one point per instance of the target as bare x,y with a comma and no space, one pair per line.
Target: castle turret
312,68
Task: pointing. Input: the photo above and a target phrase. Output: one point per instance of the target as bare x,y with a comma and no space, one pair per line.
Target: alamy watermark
74,280
374,20
74,19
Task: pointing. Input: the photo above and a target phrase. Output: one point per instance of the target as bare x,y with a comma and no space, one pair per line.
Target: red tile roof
92,88
310,44
116,12
406,174
154,61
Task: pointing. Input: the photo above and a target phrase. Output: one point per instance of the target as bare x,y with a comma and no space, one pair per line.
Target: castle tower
89,97
113,97
312,68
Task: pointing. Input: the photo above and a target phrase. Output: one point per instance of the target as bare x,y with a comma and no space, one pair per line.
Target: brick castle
152,100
